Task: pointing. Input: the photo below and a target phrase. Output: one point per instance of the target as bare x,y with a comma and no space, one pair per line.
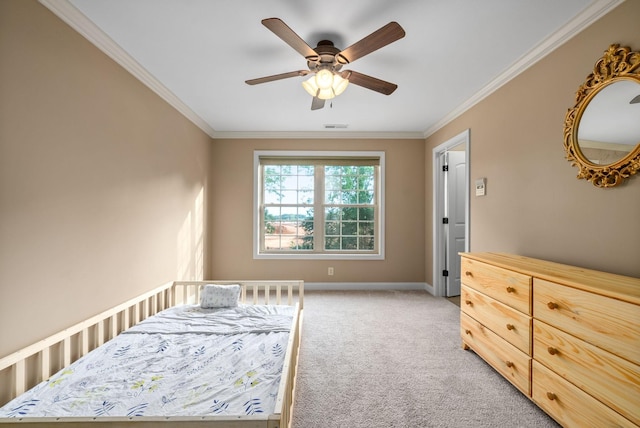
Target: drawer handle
552,350
511,290
511,327
468,273
468,302
551,396
468,332
552,305
510,364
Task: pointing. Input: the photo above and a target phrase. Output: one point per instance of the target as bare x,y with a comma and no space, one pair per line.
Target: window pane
349,213
366,244
349,243
305,182
332,170
332,214
332,243
365,213
305,229
272,169
272,197
349,228
365,197
289,197
332,228
332,197
271,218
289,181
349,197
306,170
305,197
366,228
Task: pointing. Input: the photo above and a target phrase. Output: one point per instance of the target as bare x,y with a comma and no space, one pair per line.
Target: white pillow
219,296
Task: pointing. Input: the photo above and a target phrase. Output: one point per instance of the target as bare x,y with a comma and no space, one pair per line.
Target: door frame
439,288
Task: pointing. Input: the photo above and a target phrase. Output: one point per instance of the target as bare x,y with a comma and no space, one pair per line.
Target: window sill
323,256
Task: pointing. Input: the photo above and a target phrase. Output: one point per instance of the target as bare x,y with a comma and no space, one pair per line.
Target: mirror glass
610,125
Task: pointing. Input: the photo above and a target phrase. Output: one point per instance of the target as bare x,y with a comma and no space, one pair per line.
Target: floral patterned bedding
185,361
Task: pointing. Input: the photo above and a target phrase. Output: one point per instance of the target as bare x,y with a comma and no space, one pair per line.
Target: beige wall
102,184
232,207
534,205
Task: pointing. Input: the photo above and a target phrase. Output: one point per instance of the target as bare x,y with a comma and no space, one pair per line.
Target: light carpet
394,359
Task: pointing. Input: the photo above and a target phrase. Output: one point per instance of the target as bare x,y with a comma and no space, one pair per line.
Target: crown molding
68,13
323,135
596,10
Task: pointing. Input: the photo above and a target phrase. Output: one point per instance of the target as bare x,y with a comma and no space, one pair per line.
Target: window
319,205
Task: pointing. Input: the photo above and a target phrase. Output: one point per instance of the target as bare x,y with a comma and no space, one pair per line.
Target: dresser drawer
506,322
569,405
608,323
609,378
508,360
509,287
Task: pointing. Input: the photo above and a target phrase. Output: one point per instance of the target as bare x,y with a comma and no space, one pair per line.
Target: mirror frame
617,63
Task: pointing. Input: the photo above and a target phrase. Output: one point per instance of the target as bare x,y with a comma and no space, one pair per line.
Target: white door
455,234
450,196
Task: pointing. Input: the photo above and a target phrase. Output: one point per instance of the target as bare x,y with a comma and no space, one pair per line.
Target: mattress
184,361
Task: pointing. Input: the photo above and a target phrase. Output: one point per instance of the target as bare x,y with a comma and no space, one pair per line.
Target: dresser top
607,284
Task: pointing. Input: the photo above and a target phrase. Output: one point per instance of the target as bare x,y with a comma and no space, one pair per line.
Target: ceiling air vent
335,126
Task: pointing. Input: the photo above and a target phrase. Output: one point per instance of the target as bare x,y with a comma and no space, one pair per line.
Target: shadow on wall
190,245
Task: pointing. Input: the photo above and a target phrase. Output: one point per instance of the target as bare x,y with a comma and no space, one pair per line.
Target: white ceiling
198,53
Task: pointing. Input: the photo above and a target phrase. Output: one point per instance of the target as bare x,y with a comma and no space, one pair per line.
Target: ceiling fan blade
283,31
317,103
635,100
276,77
374,41
369,82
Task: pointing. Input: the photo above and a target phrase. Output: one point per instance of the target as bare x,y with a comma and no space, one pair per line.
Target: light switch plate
481,186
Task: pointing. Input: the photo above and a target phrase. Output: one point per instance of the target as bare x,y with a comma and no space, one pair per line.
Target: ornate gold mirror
602,130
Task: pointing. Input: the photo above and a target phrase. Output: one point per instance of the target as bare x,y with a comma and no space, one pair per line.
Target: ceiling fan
326,61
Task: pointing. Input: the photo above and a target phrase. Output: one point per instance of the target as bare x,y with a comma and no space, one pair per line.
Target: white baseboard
430,289
333,286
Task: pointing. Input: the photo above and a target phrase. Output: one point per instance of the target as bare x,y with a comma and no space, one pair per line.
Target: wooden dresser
567,337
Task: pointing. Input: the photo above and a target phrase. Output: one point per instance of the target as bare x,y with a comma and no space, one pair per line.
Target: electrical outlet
330,271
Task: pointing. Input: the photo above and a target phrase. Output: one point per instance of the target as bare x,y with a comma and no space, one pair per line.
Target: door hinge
445,168
445,220
445,273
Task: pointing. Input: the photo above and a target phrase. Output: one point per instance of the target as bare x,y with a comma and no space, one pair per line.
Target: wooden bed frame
35,363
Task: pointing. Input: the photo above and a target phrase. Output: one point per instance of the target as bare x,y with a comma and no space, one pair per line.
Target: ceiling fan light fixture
326,94
324,79
310,86
339,84
325,85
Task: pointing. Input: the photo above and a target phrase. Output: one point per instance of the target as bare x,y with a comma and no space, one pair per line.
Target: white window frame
380,231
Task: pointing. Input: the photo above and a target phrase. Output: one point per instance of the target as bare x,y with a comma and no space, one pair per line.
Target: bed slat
100,333
66,351
84,341
45,365
20,377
